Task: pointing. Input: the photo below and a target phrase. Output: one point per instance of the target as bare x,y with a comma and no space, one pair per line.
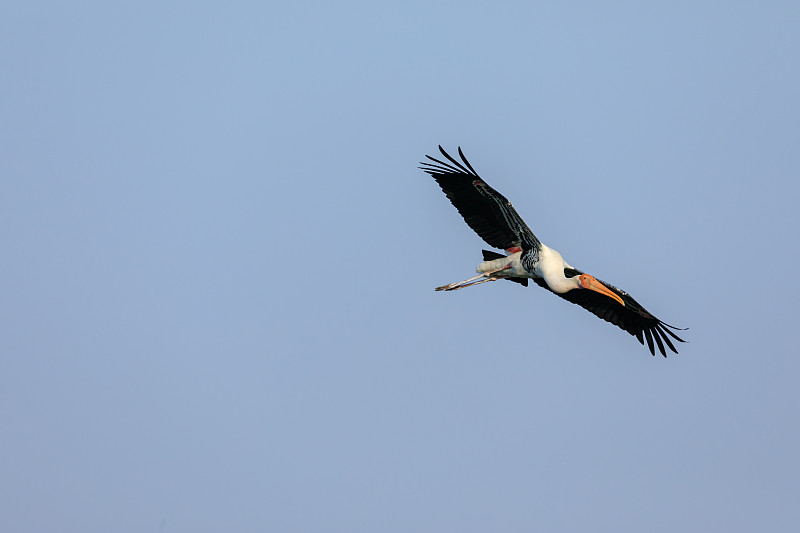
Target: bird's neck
551,266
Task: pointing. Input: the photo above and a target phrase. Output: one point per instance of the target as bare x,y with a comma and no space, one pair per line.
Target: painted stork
493,218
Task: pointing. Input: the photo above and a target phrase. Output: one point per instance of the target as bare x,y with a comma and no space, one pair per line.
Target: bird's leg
459,284
490,278
466,283
471,281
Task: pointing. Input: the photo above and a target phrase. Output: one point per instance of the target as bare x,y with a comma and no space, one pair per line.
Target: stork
494,219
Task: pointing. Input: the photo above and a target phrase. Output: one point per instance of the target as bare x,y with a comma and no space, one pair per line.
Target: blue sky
219,257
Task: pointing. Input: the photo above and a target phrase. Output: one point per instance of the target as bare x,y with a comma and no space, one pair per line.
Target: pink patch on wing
513,249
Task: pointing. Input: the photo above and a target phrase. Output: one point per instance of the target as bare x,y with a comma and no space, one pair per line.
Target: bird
496,221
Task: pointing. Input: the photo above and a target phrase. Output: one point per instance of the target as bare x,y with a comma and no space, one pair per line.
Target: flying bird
493,218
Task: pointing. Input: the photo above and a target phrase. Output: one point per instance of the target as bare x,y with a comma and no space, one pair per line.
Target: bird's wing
631,317
484,209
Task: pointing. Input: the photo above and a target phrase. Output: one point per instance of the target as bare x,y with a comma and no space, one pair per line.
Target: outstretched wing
484,209
631,317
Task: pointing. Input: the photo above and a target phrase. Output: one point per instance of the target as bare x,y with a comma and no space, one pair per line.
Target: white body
549,267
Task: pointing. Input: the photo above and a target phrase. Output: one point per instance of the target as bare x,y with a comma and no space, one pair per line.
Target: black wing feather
649,337
631,317
661,330
484,209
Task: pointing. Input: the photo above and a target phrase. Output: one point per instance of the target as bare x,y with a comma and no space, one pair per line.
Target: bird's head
586,281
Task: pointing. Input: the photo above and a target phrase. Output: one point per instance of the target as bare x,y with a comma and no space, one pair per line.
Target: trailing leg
481,278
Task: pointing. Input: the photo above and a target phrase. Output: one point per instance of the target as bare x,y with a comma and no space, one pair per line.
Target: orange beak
589,282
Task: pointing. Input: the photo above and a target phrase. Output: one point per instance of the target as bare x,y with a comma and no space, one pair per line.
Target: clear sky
218,255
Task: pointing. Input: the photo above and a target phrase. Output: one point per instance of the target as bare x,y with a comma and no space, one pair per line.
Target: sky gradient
219,257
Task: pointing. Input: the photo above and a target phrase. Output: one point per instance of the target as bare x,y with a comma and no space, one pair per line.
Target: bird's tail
492,256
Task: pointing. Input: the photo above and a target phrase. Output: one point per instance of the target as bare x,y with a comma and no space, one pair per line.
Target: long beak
589,282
